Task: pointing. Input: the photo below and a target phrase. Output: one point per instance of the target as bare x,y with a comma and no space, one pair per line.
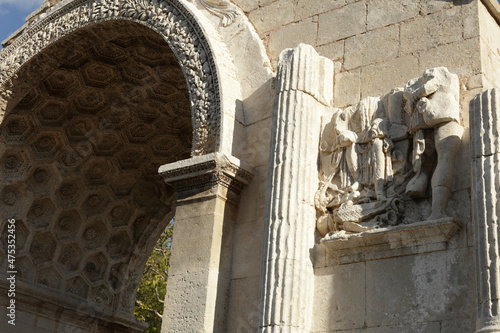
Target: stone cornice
201,173
401,240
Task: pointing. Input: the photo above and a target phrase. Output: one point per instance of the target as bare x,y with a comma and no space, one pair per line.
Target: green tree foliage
151,291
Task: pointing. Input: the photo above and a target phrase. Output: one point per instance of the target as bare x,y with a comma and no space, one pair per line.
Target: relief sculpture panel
379,156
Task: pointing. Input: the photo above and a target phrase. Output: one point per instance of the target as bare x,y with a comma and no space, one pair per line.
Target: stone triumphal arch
96,97
332,166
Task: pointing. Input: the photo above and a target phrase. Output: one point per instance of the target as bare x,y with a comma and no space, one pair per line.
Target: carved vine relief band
383,152
167,17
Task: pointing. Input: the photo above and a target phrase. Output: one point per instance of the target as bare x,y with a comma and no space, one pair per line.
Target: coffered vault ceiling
90,121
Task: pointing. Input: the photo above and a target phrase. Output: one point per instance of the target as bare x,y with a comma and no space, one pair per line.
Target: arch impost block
214,173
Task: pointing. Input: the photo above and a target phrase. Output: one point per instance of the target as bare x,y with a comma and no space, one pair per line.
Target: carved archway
36,64
169,18
89,121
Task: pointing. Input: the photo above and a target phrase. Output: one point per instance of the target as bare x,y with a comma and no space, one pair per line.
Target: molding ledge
401,240
200,174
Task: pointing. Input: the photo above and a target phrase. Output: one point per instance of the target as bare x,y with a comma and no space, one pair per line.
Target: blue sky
13,13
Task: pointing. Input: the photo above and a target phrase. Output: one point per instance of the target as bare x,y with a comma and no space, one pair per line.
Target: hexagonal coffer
49,277
13,164
40,213
46,144
79,129
98,75
118,245
17,129
107,144
95,267
139,133
30,100
25,268
68,54
77,286
95,203
110,53
101,295
52,114
131,158
13,199
39,179
42,247
149,56
69,192
70,256
60,83
94,234
90,101
120,214
67,224
98,171
21,233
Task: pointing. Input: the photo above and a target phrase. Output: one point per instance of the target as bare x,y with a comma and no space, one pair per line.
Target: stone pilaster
208,189
485,142
304,91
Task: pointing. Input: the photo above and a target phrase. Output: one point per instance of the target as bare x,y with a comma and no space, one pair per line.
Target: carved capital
214,173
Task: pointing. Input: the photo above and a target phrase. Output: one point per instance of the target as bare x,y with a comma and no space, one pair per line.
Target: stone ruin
301,203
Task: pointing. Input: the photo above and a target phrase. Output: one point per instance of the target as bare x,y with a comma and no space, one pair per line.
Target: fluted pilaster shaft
304,90
485,141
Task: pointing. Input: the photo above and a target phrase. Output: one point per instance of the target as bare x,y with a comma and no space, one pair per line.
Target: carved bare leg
422,165
417,186
447,139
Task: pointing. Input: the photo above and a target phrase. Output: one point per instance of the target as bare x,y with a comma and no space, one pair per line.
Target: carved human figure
432,101
374,145
380,156
355,167
339,161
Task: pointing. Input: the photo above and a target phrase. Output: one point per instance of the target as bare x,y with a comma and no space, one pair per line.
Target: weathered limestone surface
347,88
373,47
490,46
386,12
348,21
291,35
378,79
421,34
424,302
